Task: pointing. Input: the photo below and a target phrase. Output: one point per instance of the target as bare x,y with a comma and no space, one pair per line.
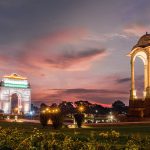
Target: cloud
103,91
74,60
123,80
105,37
101,96
61,50
136,29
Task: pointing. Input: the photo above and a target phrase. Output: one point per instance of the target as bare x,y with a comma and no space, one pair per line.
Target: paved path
118,124
90,124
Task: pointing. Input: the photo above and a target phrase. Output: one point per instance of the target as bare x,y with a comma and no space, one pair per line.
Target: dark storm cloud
100,91
123,80
92,95
69,58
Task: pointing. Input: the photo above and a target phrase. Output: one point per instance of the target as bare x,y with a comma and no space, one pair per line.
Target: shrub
79,118
57,120
44,119
17,139
111,134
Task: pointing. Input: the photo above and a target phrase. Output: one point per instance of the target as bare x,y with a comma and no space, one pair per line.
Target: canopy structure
140,106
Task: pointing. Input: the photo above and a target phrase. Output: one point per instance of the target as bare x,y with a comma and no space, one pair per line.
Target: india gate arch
15,84
140,107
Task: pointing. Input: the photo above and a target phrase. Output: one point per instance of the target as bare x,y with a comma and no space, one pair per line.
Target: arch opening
142,55
14,103
139,77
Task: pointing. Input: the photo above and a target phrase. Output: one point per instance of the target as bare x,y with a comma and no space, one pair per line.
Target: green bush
57,120
79,118
44,119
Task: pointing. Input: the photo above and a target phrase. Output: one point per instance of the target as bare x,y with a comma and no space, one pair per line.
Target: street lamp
81,108
47,109
43,111
111,118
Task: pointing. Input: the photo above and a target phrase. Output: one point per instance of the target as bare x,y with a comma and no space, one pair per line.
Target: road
90,124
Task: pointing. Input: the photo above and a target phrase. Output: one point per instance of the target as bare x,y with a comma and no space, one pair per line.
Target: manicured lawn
126,130
107,137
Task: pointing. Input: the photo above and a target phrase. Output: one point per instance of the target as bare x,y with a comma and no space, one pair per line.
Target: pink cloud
136,29
50,52
102,94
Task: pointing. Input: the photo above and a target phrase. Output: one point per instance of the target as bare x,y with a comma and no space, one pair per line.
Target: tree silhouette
119,107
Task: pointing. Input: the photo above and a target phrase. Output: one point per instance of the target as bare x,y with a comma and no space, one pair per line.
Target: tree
66,107
53,105
79,118
98,109
119,107
43,106
34,108
87,105
44,119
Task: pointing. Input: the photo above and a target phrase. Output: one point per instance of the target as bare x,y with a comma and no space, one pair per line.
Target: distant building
15,94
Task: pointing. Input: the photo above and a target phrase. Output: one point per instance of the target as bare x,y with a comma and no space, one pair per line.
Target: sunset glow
73,50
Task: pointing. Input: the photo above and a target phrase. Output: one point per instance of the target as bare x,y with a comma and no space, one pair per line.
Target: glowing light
26,107
47,109
12,81
81,108
31,113
15,80
111,117
15,85
20,107
6,107
72,126
16,109
56,110
16,117
15,76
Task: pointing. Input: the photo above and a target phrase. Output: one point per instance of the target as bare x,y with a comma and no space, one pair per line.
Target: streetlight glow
81,109
47,109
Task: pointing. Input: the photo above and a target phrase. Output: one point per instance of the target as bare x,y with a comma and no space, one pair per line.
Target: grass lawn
142,129
135,137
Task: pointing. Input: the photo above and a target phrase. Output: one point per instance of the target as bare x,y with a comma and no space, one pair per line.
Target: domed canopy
144,41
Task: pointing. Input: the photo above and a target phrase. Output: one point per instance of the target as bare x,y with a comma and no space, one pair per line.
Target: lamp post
81,109
111,117
96,111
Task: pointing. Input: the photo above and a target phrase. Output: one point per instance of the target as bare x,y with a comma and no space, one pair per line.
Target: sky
73,49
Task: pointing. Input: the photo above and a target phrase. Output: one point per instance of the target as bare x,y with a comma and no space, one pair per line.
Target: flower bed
17,139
